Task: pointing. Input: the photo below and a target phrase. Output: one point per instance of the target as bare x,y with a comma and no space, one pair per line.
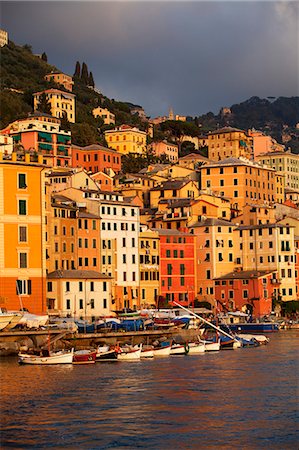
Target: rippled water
238,399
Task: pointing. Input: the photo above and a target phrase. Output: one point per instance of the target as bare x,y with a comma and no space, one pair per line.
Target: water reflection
231,399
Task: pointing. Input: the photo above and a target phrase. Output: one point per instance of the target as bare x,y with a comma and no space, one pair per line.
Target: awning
16,137
63,139
46,136
44,146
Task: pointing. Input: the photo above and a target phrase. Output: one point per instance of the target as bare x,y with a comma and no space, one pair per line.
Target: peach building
171,189
149,264
261,142
285,163
243,182
61,78
229,143
22,235
61,102
215,254
171,151
126,139
41,133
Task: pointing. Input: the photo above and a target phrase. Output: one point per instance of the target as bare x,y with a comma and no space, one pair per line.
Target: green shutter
63,139
22,207
44,146
16,137
46,136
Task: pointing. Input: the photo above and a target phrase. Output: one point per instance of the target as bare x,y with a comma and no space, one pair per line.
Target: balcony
275,281
176,216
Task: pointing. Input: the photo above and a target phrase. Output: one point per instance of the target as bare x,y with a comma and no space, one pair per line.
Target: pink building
165,148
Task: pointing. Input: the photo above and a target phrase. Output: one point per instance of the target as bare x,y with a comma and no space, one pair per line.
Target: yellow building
61,78
173,189
61,102
22,235
285,163
243,182
229,142
107,116
126,139
149,267
3,38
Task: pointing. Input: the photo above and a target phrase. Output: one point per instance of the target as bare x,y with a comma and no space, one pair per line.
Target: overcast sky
192,56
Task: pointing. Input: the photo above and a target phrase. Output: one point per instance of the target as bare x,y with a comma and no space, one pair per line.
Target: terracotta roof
227,130
210,222
95,147
77,274
165,232
171,185
244,275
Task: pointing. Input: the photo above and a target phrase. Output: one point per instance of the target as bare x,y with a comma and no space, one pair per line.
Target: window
49,286
22,207
236,194
175,253
124,259
68,304
245,294
167,253
22,181
182,281
125,276
91,303
104,286
104,303
124,242
169,269
22,234
208,274
67,286
22,260
81,303
92,286
80,286
235,181
133,242
182,269
23,287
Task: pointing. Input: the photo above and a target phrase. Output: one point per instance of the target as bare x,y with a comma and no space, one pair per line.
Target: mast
207,322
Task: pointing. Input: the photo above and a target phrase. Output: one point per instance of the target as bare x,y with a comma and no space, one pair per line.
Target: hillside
22,74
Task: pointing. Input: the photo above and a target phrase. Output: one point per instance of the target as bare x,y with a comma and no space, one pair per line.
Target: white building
81,293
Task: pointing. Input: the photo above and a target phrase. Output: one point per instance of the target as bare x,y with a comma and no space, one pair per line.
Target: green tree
65,124
44,57
91,80
84,134
84,74
44,105
77,73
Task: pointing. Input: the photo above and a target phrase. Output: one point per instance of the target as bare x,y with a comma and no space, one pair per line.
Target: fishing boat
255,327
162,349
5,318
196,347
84,357
211,346
260,338
107,353
147,351
129,353
47,358
179,349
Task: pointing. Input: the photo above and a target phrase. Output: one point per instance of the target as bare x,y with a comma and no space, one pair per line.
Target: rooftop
211,222
246,274
77,274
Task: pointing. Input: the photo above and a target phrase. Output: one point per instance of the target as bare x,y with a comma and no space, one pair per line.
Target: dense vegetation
22,74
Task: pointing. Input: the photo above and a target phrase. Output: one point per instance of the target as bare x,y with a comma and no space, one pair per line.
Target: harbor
213,400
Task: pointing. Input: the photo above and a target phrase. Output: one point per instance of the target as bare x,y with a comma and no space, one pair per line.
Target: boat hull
109,355
160,352
5,320
132,355
266,327
178,350
84,357
57,358
147,353
195,349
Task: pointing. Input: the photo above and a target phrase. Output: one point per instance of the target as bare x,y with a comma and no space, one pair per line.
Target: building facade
126,139
61,103
96,158
61,78
104,113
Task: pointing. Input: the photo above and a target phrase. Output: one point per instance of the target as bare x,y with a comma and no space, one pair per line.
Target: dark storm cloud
193,56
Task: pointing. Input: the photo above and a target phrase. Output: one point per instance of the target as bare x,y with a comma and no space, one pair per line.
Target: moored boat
84,357
47,358
179,349
196,348
162,350
129,353
107,353
211,346
147,351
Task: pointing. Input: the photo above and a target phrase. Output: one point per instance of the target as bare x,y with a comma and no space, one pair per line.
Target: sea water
232,399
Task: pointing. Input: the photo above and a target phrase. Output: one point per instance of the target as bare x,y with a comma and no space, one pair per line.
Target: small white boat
179,349
260,338
5,319
129,353
147,351
107,353
162,351
211,346
61,357
196,347
14,321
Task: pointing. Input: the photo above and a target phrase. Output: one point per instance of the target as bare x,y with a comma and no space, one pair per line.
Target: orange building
96,158
61,78
171,151
243,182
22,235
42,134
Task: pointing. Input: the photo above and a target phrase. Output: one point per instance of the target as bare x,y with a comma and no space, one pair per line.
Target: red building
96,158
177,266
248,291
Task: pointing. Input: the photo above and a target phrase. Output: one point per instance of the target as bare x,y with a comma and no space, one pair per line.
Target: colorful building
61,103
164,148
3,37
173,189
229,143
61,78
126,139
22,235
6,144
285,163
42,134
96,158
243,182
247,291
149,264
177,267
104,113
